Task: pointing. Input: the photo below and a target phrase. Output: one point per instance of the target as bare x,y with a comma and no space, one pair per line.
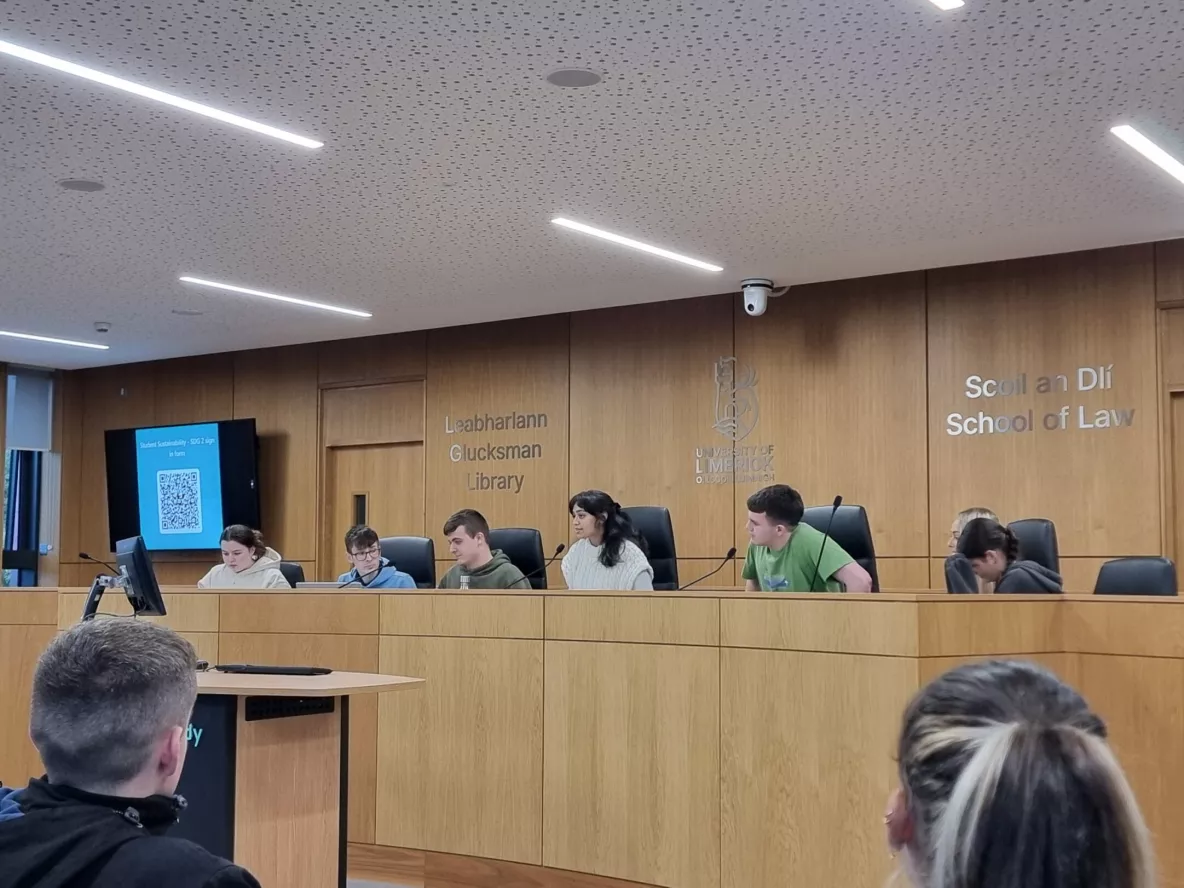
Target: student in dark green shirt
784,552
468,541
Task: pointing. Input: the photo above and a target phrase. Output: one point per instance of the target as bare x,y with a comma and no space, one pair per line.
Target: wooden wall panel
1044,317
278,387
69,437
199,389
460,761
1169,271
112,398
1171,346
372,414
910,574
499,370
642,401
840,373
634,729
20,646
771,765
373,358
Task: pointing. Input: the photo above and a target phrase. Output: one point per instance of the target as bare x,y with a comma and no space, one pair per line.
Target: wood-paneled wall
854,384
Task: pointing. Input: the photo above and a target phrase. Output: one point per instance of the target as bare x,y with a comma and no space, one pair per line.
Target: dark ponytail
245,536
618,529
1010,783
982,535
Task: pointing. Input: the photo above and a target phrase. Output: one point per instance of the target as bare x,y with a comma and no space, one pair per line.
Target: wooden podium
266,772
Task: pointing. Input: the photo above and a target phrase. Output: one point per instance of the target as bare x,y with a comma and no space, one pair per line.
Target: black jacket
1020,577
52,836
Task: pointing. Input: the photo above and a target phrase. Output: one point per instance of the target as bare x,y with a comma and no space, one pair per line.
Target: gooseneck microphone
539,570
825,537
105,564
731,554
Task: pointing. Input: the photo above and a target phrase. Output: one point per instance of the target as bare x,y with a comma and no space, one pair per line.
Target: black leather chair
851,531
412,555
524,547
1143,575
292,572
654,525
1038,541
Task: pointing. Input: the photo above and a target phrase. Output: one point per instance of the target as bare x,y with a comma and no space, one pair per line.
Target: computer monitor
131,555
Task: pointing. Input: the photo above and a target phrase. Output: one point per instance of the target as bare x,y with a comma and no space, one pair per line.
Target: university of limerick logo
736,408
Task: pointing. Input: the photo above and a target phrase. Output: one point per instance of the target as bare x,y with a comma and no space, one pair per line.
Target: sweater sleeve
276,580
204,582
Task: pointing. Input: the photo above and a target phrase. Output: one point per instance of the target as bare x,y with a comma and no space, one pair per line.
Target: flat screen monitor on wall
179,486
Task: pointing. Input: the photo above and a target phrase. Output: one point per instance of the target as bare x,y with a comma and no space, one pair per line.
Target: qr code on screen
178,492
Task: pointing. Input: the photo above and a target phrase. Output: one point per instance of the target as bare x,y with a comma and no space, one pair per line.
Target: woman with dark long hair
1007,781
608,553
992,553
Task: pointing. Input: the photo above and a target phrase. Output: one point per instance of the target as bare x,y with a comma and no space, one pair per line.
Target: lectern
266,772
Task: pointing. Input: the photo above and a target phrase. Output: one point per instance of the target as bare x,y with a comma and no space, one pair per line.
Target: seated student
370,568
783,554
1007,781
608,552
959,562
468,542
246,563
991,552
111,703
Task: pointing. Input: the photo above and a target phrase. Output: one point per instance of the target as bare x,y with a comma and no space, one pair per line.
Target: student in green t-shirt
784,552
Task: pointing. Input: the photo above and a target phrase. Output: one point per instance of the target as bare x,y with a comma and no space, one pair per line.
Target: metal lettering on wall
737,411
478,450
1066,417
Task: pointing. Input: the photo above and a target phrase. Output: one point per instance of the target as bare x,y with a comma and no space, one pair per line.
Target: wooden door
380,484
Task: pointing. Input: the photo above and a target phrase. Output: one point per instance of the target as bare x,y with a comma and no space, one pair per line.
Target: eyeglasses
369,553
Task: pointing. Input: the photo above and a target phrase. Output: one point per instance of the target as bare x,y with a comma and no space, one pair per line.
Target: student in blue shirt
370,568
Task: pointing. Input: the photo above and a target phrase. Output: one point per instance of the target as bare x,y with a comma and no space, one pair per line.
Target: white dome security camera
756,292
102,326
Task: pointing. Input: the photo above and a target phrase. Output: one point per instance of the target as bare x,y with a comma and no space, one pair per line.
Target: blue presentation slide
180,486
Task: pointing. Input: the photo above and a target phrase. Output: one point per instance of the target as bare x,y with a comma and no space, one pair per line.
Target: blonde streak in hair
973,791
1135,834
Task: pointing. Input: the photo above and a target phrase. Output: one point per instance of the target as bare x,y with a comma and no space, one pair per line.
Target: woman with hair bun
246,563
608,552
991,551
1007,781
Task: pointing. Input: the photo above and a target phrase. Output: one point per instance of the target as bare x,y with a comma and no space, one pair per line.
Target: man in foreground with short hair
784,553
468,541
370,569
111,705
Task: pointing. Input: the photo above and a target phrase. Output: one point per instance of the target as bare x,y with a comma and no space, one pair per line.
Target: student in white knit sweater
608,552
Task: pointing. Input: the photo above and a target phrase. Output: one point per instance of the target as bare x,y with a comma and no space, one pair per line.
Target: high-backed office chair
851,531
524,547
1038,541
412,555
655,527
292,572
1142,575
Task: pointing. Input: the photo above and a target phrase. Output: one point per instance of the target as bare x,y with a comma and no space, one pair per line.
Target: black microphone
558,551
825,537
110,567
731,554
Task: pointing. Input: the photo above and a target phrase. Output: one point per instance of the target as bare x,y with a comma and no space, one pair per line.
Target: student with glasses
370,568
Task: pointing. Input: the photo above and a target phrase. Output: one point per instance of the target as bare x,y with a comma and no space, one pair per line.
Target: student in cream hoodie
246,563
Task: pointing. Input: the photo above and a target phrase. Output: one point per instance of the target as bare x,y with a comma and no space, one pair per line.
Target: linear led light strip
947,5
1150,150
636,245
52,340
292,300
148,92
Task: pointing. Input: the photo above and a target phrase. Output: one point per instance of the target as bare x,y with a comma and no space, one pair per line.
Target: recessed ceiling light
156,95
573,77
81,185
52,340
948,4
308,303
1150,150
636,245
